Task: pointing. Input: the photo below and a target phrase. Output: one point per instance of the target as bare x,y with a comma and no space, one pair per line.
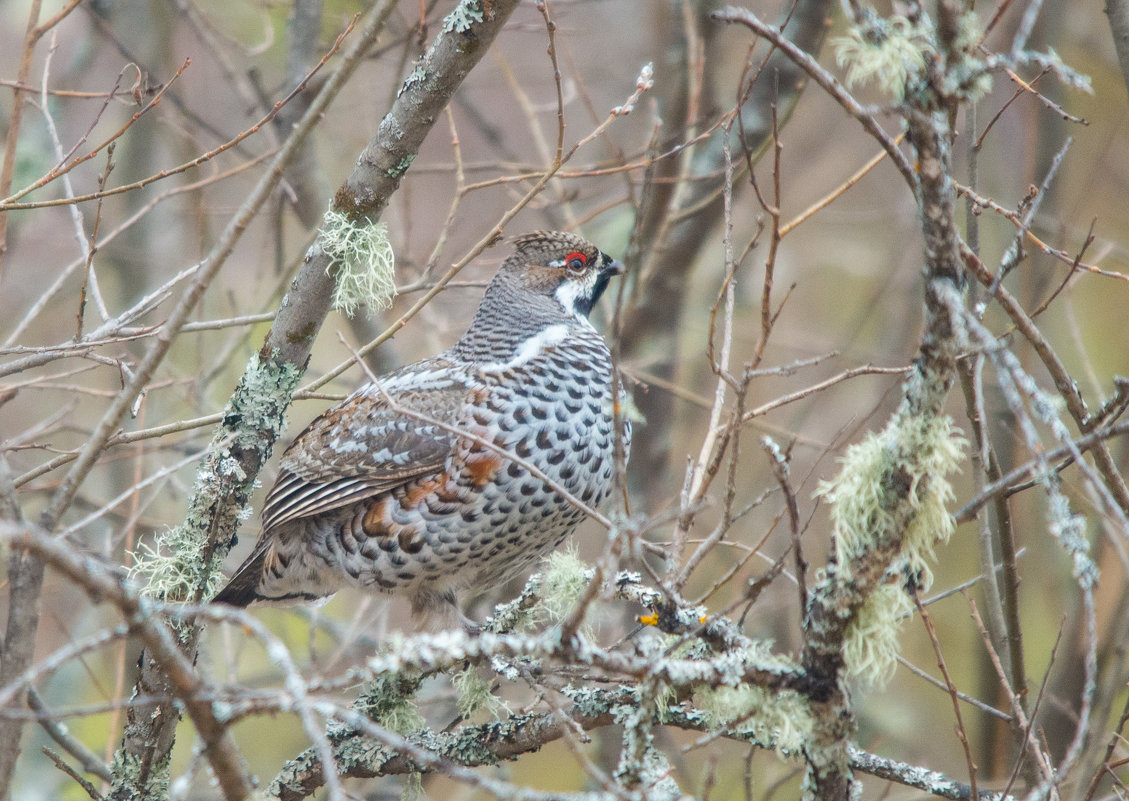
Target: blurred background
846,294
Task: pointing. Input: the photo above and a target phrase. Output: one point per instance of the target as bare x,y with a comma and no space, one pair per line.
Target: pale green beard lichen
870,650
928,449
890,51
778,719
473,694
413,787
904,466
775,719
563,581
389,700
968,77
173,566
362,261
177,563
893,53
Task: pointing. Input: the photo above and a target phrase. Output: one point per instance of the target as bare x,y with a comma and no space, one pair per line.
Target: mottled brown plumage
410,485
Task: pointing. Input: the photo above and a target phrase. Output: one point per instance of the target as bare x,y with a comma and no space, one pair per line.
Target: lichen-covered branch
362,749
650,674
254,415
26,569
889,501
358,755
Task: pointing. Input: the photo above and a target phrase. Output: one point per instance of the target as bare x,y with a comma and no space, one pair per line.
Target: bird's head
563,266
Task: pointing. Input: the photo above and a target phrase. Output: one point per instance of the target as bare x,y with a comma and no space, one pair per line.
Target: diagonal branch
254,415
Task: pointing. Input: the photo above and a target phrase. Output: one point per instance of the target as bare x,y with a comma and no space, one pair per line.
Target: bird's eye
576,262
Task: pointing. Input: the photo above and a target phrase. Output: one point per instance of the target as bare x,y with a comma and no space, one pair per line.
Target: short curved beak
615,267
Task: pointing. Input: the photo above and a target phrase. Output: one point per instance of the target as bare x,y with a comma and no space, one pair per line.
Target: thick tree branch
358,755
254,415
899,468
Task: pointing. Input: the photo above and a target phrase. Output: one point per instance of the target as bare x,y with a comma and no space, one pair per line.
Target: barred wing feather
385,440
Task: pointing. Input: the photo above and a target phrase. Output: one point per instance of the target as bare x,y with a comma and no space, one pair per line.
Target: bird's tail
249,584
243,587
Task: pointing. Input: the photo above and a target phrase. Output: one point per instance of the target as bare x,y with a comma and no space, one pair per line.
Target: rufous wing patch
482,466
419,491
373,521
